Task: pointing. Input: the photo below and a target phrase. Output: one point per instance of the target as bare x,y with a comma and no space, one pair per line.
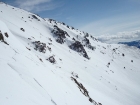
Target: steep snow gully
46,62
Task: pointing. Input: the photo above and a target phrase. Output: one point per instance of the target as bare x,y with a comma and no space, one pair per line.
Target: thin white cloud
120,37
35,5
113,25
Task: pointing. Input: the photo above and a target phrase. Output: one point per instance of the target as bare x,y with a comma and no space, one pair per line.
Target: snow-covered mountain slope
132,43
45,62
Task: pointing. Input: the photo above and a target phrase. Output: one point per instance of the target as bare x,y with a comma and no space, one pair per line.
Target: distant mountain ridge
132,43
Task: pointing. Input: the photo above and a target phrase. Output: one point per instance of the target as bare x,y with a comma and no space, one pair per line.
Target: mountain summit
46,62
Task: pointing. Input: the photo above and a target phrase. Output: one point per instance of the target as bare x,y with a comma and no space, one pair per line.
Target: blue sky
98,17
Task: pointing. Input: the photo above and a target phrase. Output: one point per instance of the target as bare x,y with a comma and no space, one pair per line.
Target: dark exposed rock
6,34
51,20
40,46
50,39
90,100
29,38
88,44
22,29
99,104
81,87
35,17
28,48
72,28
40,59
68,26
73,39
74,74
51,59
84,91
60,35
77,46
2,38
63,23
86,35
123,55
49,48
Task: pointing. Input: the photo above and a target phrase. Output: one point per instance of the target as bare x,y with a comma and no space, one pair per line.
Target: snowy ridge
45,62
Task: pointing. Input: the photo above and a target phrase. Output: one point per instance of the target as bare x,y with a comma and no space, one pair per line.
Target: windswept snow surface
111,75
